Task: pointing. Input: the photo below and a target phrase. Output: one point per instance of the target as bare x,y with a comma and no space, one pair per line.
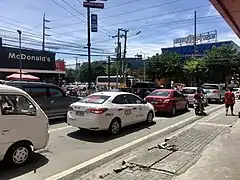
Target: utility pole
20,53
44,29
124,54
195,33
118,55
89,47
109,64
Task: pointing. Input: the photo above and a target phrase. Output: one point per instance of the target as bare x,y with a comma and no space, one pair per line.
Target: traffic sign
93,5
94,22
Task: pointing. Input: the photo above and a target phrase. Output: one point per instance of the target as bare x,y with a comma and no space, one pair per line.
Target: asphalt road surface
69,146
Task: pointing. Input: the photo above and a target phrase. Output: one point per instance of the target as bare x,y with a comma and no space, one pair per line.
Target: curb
93,163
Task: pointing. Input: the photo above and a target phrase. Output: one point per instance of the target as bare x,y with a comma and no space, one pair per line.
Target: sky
158,21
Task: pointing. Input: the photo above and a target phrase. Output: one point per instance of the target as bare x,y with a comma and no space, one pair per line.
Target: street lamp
144,65
20,52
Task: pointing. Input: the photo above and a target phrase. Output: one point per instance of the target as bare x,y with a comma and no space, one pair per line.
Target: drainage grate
196,138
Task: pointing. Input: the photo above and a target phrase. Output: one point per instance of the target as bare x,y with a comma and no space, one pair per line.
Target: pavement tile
150,157
196,138
174,162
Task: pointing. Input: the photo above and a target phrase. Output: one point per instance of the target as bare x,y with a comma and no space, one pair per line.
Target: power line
141,9
168,13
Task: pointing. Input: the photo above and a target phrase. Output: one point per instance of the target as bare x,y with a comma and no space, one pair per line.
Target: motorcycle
198,109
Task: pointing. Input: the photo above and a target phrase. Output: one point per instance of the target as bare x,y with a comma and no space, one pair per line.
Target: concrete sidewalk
220,161
208,149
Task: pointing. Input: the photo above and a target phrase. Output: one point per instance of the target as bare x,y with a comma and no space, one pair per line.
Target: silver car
190,92
236,92
215,92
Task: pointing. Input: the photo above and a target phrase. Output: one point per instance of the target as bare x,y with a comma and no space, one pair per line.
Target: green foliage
113,69
71,75
97,69
164,65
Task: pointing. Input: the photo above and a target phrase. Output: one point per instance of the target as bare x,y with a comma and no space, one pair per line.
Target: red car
168,100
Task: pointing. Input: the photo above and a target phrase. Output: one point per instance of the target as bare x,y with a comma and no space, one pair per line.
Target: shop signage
60,65
94,22
93,5
212,35
31,59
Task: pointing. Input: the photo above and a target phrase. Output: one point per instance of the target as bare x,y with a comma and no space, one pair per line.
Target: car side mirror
144,101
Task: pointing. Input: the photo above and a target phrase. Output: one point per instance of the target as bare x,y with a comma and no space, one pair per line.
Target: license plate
154,102
80,113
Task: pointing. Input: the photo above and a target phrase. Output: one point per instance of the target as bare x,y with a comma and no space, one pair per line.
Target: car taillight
97,110
166,101
216,91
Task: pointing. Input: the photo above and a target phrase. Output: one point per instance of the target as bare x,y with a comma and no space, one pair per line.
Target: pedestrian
229,100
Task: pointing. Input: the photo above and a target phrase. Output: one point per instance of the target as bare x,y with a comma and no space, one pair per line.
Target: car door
59,101
183,100
177,99
137,107
39,94
18,120
124,111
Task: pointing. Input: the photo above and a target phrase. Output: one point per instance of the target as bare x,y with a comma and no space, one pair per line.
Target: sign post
90,4
94,23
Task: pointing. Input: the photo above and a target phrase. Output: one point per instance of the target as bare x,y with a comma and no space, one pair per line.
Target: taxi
109,111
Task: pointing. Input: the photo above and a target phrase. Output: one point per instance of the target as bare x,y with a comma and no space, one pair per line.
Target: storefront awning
32,71
230,11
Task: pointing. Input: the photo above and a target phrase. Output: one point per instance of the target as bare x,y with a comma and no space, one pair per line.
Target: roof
229,10
29,83
110,93
169,90
10,89
189,87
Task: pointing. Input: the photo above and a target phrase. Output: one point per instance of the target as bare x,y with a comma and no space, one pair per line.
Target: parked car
23,126
51,98
215,92
168,100
236,92
142,89
190,92
109,111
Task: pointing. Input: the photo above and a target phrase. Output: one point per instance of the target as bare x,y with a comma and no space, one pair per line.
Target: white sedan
109,111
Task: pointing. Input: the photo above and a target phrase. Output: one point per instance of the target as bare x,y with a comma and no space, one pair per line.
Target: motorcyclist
199,98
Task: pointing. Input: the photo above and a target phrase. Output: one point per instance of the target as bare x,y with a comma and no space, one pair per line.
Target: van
23,126
51,98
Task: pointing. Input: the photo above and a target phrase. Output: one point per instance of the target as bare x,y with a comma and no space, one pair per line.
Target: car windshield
189,91
160,93
95,99
210,87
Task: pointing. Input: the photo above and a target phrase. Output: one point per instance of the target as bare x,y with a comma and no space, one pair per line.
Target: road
69,146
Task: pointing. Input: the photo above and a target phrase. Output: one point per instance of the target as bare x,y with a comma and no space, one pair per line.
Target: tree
97,69
166,65
222,62
113,69
194,69
71,75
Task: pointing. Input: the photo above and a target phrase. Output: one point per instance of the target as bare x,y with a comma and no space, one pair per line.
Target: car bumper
95,123
163,108
213,96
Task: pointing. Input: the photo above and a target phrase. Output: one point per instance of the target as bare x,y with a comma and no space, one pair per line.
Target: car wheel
219,101
115,126
150,117
18,154
206,103
173,111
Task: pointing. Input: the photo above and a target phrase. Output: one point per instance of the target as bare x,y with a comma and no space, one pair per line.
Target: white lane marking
58,129
113,151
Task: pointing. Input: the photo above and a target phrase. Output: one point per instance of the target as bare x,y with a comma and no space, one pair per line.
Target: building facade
38,63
